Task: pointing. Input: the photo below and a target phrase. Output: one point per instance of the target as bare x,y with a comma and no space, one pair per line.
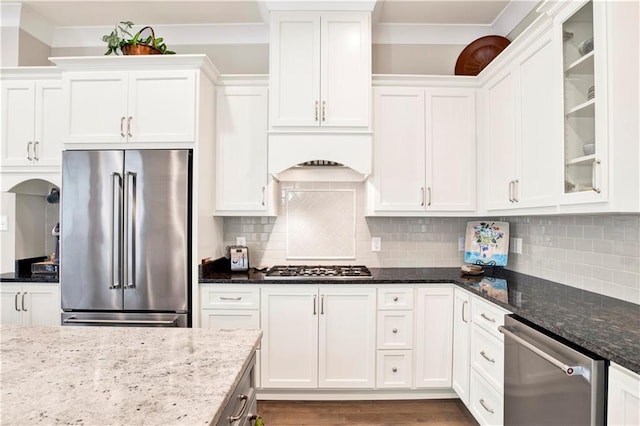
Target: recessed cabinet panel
395,329
394,369
49,123
18,110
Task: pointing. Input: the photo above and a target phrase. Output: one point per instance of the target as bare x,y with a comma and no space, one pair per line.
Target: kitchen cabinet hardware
483,315
484,355
29,151
394,369
129,127
324,110
244,399
485,406
395,299
35,150
15,302
511,184
23,307
429,199
322,304
394,331
122,127
235,299
516,191
594,168
264,188
465,318
422,196
317,110
314,303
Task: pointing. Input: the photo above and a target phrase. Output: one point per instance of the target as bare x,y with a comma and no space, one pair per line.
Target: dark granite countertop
606,326
12,277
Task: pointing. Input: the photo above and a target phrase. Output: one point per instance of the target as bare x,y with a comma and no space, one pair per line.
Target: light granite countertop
119,375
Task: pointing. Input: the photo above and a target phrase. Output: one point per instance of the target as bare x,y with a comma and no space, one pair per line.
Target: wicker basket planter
142,48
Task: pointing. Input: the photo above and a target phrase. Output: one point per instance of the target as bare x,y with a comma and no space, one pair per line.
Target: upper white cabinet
421,136
31,121
243,186
522,127
130,106
320,69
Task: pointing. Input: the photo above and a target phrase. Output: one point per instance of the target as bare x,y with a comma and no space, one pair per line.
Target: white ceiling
82,23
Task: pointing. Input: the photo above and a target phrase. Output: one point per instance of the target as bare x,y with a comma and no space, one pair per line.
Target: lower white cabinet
461,343
486,403
394,369
30,303
624,397
229,306
318,337
434,337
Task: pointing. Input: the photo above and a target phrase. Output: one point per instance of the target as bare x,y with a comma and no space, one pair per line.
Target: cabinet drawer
486,402
394,369
395,298
487,356
395,329
219,297
488,316
227,318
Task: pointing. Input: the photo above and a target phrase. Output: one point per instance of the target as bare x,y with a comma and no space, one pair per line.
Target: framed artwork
487,243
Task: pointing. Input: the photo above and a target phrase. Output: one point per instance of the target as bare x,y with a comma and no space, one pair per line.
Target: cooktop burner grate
319,271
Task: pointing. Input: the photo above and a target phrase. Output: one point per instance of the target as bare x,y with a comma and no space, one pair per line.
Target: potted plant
121,41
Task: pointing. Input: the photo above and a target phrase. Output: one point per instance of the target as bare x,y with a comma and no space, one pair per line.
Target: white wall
30,226
7,238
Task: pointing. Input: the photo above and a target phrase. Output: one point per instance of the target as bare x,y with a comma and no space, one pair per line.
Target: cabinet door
18,110
461,329
241,149
41,304
451,145
347,332
624,397
49,123
399,149
96,104
10,298
345,69
501,141
162,106
540,126
289,318
294,69
434,336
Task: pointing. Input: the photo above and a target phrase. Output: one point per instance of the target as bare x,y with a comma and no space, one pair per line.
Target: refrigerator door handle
116,239
130,230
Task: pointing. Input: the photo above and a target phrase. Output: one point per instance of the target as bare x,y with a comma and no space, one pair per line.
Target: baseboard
352,395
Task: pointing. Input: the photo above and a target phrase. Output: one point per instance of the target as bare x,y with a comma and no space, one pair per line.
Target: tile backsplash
599,253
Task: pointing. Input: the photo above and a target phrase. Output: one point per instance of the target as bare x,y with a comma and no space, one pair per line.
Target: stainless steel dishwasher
547,382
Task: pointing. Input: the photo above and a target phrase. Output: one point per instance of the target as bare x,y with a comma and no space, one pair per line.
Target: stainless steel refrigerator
125,237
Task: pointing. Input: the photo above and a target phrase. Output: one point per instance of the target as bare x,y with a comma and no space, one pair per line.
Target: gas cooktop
293,272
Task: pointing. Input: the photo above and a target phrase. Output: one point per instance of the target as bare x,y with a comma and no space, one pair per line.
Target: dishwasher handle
569,370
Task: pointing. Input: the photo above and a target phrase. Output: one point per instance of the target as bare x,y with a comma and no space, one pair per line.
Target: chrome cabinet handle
394,331
394,369
422,196
15,302
511,191
485,406
322,304
516,190
23,307
484,355
594,167
244,399
264,188
129,127
429,199
487,318
122,127
35,150
395,299
315,300
234,299
464,317
116,214
324,111
29,157
317,105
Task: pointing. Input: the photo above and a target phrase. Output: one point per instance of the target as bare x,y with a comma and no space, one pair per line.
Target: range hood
333,157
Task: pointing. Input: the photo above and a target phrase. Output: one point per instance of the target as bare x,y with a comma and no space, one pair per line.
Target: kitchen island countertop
120,375
606,326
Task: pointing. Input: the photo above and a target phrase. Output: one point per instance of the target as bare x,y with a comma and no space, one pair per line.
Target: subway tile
627,279
584,220
612,290
575,231
603,246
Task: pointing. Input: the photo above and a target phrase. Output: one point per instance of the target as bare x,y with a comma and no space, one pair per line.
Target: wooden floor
443,412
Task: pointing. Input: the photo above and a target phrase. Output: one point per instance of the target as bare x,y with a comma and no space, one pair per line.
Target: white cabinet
130,106
320,69
624,397
461,343
229,306
30,303
421,135
522,127
31,122
318,337
242,185
434,337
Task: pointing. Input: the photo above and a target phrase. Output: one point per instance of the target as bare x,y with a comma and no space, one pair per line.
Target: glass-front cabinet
584,103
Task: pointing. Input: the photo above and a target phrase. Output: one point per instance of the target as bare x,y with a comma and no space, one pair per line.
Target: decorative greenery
121,36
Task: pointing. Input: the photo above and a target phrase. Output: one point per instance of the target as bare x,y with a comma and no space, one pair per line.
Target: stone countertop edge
605,326
10,277
120,375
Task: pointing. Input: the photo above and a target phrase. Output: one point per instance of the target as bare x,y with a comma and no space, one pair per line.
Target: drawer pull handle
485,406
487,318
237,417
395,299
484,355
394,369
233,299
394,331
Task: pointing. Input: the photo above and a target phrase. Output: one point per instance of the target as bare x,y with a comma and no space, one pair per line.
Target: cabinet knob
394,369
394,331
395,299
